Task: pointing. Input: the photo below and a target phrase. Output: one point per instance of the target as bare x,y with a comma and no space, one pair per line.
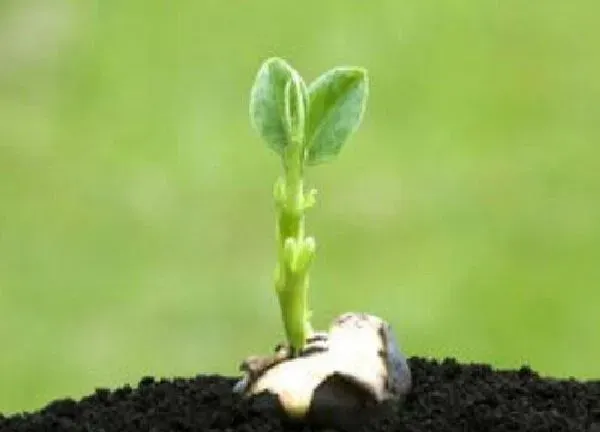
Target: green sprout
305,126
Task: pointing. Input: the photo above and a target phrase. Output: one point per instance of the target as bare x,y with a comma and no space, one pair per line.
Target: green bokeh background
136,220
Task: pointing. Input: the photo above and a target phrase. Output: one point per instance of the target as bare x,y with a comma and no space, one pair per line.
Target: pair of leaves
320,117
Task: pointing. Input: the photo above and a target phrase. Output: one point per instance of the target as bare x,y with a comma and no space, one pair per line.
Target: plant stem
295,251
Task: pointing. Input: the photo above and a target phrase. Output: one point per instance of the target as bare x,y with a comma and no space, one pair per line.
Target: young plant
305,125
326,378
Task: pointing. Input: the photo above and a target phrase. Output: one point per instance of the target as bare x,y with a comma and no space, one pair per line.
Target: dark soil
447,396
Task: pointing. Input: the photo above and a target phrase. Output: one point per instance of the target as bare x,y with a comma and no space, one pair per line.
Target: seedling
305,125
328,377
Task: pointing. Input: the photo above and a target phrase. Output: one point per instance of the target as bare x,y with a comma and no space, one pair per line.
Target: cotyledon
356,363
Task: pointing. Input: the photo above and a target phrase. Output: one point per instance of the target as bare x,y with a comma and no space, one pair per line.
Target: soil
446,396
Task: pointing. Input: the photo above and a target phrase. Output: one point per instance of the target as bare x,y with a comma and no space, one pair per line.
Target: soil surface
446,396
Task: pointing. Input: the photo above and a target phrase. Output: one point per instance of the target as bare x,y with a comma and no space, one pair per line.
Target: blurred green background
136,220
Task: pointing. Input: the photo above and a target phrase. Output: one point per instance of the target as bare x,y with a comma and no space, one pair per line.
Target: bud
295,109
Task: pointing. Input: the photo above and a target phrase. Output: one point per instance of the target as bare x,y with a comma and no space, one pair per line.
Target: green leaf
270,108
337,101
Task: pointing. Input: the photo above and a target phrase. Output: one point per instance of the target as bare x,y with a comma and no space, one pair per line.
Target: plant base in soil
446,396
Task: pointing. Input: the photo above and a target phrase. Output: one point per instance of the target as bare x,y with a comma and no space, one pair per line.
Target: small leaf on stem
268,102
337,102
306,254
310,199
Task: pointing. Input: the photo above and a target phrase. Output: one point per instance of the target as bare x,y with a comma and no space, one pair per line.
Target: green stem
295,251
